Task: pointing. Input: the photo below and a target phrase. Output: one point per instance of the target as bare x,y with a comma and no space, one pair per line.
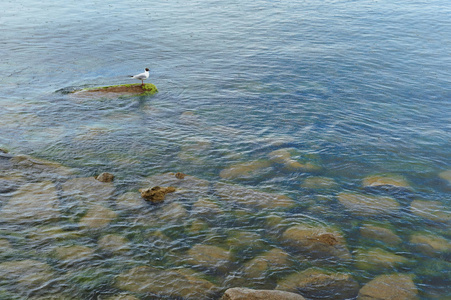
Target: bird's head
147,69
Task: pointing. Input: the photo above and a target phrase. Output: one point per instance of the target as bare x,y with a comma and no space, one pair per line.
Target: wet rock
165,283
380,233
245,170
389,287
27,274
319,183
115,90
130,200
430,244
88,190
317,242
250,294
98,216
252,198
208,257
156,194
377,259
114,243
319,284
179,175
105,177
446,175
386,181
368,205
32,202
190,187
74,253
431,210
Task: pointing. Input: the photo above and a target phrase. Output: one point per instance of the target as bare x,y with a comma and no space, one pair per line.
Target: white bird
142,76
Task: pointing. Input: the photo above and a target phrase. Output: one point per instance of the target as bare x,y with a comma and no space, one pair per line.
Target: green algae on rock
122,89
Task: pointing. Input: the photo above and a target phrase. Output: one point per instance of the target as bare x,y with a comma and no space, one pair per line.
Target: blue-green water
355,88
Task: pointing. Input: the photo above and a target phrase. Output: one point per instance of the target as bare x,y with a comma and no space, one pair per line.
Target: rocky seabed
64,236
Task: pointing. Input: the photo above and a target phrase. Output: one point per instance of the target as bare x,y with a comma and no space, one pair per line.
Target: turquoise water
355,88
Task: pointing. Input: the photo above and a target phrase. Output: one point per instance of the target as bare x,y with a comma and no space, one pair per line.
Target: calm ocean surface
352,88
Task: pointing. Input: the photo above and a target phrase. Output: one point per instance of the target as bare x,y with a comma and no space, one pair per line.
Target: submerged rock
273,260
206,207
252,198
48,234
319,284
130,200
250,294
389,287
42,166
105,177
88,190
319,183
74,253
32,202
368,205
244,170
122,297
173,212
114,243
385,180
377,259
446,175
97,217
430,244
5,246
317,242
165,283
28,273
156,194
431,210
382,234
208,257
285,157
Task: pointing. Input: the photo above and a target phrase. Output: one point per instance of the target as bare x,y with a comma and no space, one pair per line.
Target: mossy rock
122,89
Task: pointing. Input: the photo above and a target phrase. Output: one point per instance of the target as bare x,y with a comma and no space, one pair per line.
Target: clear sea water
355,87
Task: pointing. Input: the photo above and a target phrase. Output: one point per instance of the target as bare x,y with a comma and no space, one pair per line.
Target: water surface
354,88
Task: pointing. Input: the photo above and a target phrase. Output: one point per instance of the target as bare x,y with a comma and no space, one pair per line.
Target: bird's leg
142,82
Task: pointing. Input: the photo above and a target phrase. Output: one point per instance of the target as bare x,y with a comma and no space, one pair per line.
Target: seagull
142,76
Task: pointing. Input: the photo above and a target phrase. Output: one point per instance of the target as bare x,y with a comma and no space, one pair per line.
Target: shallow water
350,88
